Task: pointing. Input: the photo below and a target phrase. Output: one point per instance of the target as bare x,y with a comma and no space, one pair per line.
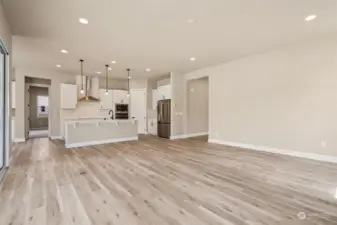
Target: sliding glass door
3,68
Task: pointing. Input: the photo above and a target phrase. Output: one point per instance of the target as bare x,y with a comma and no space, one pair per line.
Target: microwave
122,111
121,108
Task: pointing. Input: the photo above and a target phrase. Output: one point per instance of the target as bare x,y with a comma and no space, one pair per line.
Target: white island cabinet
87,132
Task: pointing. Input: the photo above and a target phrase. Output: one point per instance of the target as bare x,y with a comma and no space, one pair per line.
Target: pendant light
106,79
82,89
128,95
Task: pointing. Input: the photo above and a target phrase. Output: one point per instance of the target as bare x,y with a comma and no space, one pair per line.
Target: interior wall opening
198,108
37,110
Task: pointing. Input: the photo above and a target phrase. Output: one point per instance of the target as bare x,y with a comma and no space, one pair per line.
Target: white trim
188,135
48,86
324,158
196,134
7,104
39,85
56,138
177,137
18,140
90,143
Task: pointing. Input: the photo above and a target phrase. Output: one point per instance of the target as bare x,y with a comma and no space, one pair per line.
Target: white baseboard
324,158
56,137
188,135
19,140
196,134
90,143
177,137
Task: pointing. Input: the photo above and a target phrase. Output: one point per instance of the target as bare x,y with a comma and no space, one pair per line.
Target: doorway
138,108
198,108
37,111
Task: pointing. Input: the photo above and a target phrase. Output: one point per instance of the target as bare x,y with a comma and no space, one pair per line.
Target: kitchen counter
95,120
95,131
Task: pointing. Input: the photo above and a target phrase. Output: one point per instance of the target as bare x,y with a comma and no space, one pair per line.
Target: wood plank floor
157,181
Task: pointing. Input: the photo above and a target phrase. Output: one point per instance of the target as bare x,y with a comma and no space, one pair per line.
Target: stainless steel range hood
91,89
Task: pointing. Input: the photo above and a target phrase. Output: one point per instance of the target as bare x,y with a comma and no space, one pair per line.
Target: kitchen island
87,132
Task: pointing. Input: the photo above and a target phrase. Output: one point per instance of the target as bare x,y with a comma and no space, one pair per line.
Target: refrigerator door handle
161,113
158,113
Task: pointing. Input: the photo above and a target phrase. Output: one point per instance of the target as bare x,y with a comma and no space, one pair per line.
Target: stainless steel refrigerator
164,118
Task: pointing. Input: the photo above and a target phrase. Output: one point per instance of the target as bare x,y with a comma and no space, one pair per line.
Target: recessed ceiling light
147,69
58,66
310,17
192,58
113,62
64,51
83,20
109,68
190,21
98,72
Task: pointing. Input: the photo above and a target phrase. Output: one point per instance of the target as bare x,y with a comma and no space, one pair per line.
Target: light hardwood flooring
159,182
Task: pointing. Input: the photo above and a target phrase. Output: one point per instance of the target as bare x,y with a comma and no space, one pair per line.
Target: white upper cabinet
164,92
68,96
13,95
106,99
120,97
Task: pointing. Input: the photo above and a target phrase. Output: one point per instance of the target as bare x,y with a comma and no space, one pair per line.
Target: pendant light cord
81,61
128,81
106,78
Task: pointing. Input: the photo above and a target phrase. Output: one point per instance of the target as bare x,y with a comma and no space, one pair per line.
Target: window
42,106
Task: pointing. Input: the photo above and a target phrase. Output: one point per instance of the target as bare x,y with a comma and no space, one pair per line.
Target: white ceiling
155,33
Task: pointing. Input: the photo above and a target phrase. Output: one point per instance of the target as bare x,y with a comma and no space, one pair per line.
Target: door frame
7,82
27,114
145,100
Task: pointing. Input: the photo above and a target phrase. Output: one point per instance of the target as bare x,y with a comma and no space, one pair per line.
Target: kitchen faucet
112,114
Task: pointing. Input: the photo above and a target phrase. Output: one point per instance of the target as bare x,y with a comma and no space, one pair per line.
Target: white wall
178,104
5,32
113,84
285,99
164,81
54,99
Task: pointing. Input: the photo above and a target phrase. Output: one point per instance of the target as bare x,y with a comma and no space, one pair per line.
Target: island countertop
95,131
95,120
